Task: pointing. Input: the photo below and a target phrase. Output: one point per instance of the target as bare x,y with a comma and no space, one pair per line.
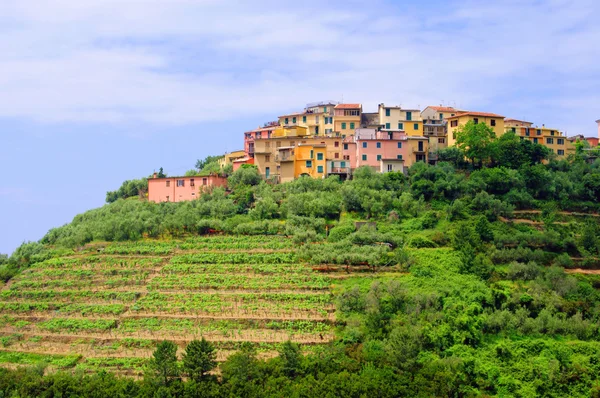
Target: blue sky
98,91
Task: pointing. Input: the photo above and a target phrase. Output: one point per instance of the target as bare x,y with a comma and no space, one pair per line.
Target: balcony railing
279,158
418,150
340,170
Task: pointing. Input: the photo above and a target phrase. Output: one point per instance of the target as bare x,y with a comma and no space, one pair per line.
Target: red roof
469,113
348,106
516,120
443,109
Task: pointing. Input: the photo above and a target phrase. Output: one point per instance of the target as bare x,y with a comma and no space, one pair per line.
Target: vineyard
108,305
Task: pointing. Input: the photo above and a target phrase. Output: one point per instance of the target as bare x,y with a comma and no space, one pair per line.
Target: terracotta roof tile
469,113
348,106
444,109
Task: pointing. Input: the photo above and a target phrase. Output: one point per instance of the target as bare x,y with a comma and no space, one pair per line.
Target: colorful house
317,117
179,189
550,138
347,118
369,147
496,122
229,158
257,134
394,118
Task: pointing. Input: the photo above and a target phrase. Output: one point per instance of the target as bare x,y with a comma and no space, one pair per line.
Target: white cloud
188,61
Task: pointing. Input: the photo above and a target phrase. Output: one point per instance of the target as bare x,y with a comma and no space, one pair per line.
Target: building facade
394,118
347,118
316,117
230,157
496,122
178,189
548,137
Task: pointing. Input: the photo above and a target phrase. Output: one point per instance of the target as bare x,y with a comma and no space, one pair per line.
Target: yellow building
269,152
394,118
347,118
316,117
552,139
228,158
496,122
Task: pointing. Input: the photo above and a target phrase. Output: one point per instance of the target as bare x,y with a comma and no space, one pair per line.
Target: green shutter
408,115
364,157
378,157
351,125
303,119
416,126
319,169
344,126
400,126
387,126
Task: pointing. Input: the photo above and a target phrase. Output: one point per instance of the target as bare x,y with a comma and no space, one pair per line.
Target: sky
96,92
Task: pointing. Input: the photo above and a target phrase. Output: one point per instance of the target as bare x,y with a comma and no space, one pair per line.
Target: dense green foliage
478,302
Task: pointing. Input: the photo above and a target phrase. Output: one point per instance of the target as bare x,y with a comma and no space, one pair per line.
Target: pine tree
199,358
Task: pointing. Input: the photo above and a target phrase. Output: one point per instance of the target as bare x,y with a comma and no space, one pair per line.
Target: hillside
461,283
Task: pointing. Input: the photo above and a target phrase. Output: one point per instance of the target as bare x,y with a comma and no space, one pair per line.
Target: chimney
155,175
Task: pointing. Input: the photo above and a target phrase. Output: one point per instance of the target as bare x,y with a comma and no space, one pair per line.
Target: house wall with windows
552,139
179,189
395,118
311,160
496,122
439,112
318,118
598,121
347,118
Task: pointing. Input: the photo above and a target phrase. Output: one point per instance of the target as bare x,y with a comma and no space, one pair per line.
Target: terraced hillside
107,305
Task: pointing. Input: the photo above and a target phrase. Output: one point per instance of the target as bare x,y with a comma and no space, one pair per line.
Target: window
286,120
514,129
493,122
399,157
317,119
309,163
539,132
452,114
277,144
387,111
181,183
400,126
364,144
378,157
343,125
303,119
267,158
535,140
441,140
192,183
364,157
408,115
549,140
387,126
552,132
561,152
337,144
205,181
454,123
267,172
399,145
475,120
416,126
342,164
527,132
312,154
351,125
294,120
267,144
390,167
168,183
379,145
352,113
345,147
560,141
193,193
336,155
324,109
167,198
320,156
319,169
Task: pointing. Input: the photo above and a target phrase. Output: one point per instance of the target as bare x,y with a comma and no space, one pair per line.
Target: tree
161,173
291,356
164,362
475,140
201,164
200,357
245,175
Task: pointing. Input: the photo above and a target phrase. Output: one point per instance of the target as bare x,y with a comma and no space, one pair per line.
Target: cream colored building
394,118
316,117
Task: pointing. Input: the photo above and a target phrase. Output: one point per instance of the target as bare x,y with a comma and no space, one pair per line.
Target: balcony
284,158
340,170
418,150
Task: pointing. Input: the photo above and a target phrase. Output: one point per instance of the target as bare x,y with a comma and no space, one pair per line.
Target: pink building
179,189
367,147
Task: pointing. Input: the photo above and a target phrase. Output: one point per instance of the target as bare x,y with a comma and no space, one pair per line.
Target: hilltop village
330,138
